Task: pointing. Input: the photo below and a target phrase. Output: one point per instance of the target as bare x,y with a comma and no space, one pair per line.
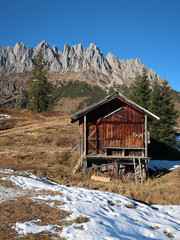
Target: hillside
46,145
41,198
33,207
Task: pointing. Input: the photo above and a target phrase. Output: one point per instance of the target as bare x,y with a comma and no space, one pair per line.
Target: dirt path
31,126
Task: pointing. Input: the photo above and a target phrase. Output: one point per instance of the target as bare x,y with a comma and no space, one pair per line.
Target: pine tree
155,107
162,105
140,89
39,87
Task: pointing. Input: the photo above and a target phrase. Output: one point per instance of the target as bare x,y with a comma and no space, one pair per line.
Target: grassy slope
44,146
77,94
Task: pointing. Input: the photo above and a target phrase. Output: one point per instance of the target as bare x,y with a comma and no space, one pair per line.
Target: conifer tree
162,104
140,90
39,87
155,107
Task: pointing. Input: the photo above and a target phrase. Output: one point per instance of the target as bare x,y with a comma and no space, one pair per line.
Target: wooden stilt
117,170
84,166
146,167
146,137
135,170
140,170
78,164
85,136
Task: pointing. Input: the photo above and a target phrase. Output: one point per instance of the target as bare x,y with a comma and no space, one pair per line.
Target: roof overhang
116,95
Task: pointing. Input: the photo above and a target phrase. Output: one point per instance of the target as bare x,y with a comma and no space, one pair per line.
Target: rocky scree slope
73,63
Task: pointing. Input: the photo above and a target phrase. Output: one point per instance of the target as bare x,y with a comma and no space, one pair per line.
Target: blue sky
144,29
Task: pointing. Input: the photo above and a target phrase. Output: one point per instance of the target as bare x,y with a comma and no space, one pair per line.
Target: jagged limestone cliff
73,63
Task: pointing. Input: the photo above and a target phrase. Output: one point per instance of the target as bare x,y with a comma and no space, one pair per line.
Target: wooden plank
122,144
79,145
78,164
133,131
92,133
117,170
142,130
114,157
135,169
130,134
137,138
140,170
100,179
93,144
85,134
112,134
146,137
133,148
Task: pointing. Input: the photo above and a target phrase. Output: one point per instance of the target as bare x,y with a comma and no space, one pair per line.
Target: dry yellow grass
23,209
69,105
44,146
155,227
169,234
6,183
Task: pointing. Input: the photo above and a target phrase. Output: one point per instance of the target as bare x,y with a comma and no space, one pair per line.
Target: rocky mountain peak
55,49
19,49
66,49
19,46
87,64
113,61
42,45
78,49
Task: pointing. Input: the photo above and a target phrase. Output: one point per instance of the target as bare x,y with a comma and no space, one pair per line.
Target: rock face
73,62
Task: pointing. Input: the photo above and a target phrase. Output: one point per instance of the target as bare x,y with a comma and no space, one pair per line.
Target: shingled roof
116,95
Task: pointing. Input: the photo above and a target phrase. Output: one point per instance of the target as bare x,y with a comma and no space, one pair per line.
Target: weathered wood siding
92,139
122,129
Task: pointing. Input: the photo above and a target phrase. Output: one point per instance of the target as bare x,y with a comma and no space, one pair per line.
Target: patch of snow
32,227
9,171
163,165
110,218
17,118
113,222
29,183
42,116
9,193
4,116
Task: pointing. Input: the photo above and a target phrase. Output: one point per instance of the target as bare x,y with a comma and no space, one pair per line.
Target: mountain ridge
87,64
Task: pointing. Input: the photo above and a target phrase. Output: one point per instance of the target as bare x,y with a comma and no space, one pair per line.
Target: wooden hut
113,137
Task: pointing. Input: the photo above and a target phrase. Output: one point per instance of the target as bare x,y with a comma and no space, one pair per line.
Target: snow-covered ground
4,116
111,216
163,165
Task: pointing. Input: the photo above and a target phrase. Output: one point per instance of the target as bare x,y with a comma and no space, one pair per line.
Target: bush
82,219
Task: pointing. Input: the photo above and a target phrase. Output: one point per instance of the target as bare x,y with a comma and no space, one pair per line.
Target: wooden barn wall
124,129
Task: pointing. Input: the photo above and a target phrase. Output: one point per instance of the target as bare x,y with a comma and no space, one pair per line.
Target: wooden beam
117,170
79,143
101,179
78,164
84,166
135,170
146,137
146,167
85,134
115,157
140,171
